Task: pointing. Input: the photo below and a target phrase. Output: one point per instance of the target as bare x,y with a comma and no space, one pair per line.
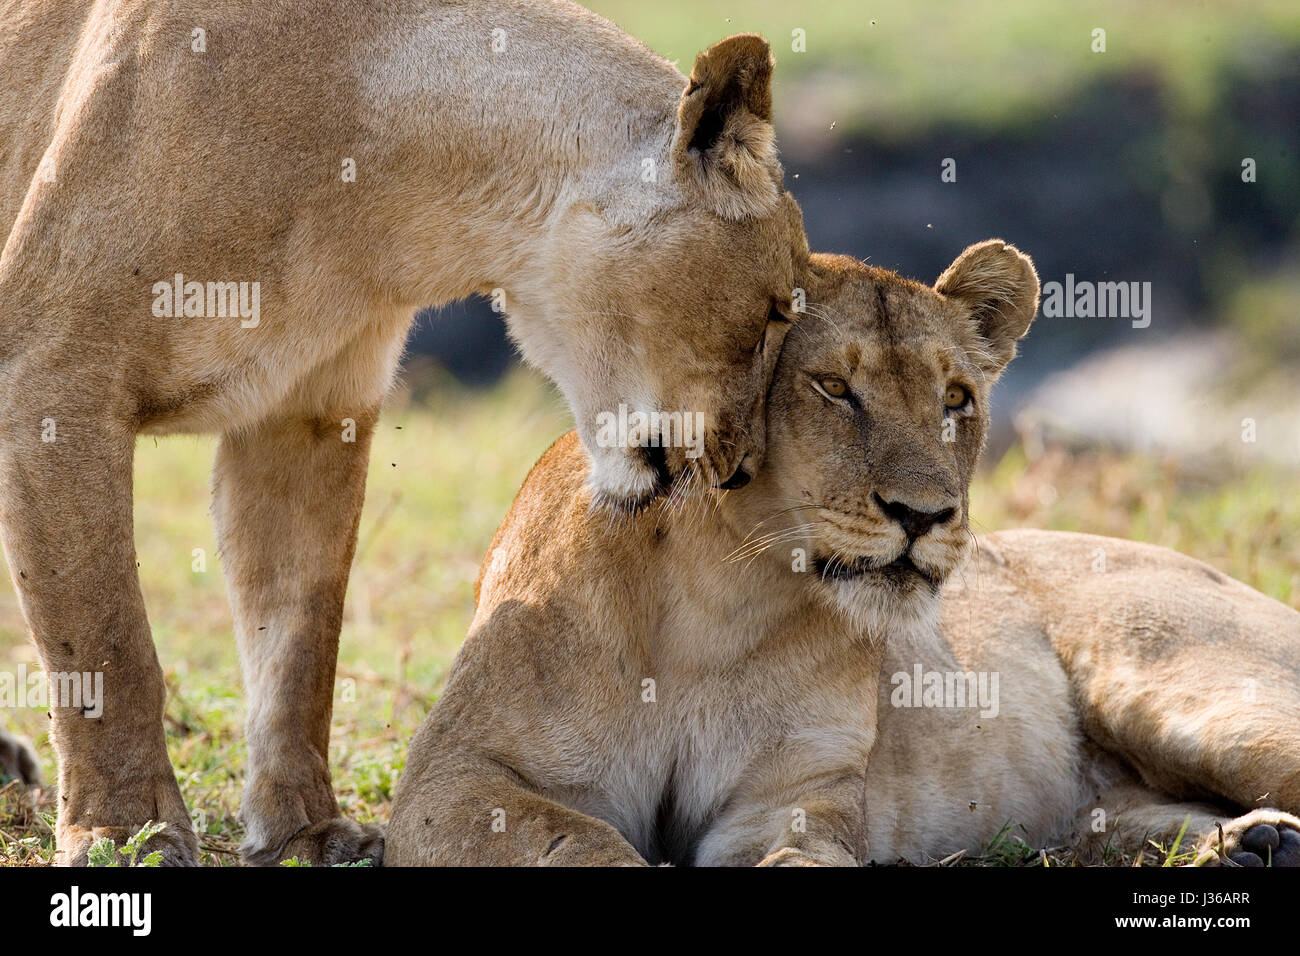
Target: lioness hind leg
287,497
1133,818
65,517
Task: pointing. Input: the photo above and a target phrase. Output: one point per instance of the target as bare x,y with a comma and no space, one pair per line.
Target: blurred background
1123,165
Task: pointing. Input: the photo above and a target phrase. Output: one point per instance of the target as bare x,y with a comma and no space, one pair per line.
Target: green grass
1243,524
444,471
897,65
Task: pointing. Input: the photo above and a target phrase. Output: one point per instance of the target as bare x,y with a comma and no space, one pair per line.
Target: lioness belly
976,736
218,295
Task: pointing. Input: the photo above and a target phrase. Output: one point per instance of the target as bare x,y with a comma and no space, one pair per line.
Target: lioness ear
725,146
1000,285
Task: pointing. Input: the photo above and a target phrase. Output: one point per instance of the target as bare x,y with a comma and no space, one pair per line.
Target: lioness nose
914,523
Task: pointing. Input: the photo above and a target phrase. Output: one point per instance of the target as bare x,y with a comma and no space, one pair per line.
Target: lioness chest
698,738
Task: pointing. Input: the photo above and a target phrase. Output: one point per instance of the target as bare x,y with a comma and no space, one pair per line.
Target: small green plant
1007,849
105,853
1173,858
294,861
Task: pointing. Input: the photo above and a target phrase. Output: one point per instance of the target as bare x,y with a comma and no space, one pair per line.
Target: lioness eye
957,397
834,386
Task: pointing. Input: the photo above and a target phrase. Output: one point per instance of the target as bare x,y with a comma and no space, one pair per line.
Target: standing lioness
221,217
765,677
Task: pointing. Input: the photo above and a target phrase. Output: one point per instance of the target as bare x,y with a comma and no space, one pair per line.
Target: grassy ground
443,473
894,65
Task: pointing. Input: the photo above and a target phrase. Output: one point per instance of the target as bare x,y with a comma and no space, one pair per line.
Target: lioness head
876,420
677,281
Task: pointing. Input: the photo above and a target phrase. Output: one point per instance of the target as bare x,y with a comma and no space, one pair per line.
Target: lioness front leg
821,822
457,808
65,517
287,497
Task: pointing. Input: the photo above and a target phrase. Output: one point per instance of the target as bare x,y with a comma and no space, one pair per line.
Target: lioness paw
328,843
1260,838
178,845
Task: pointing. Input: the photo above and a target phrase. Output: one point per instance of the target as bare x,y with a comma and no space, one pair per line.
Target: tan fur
773,736
1134,681
126,157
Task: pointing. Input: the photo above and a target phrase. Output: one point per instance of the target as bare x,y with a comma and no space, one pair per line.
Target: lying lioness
765,677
